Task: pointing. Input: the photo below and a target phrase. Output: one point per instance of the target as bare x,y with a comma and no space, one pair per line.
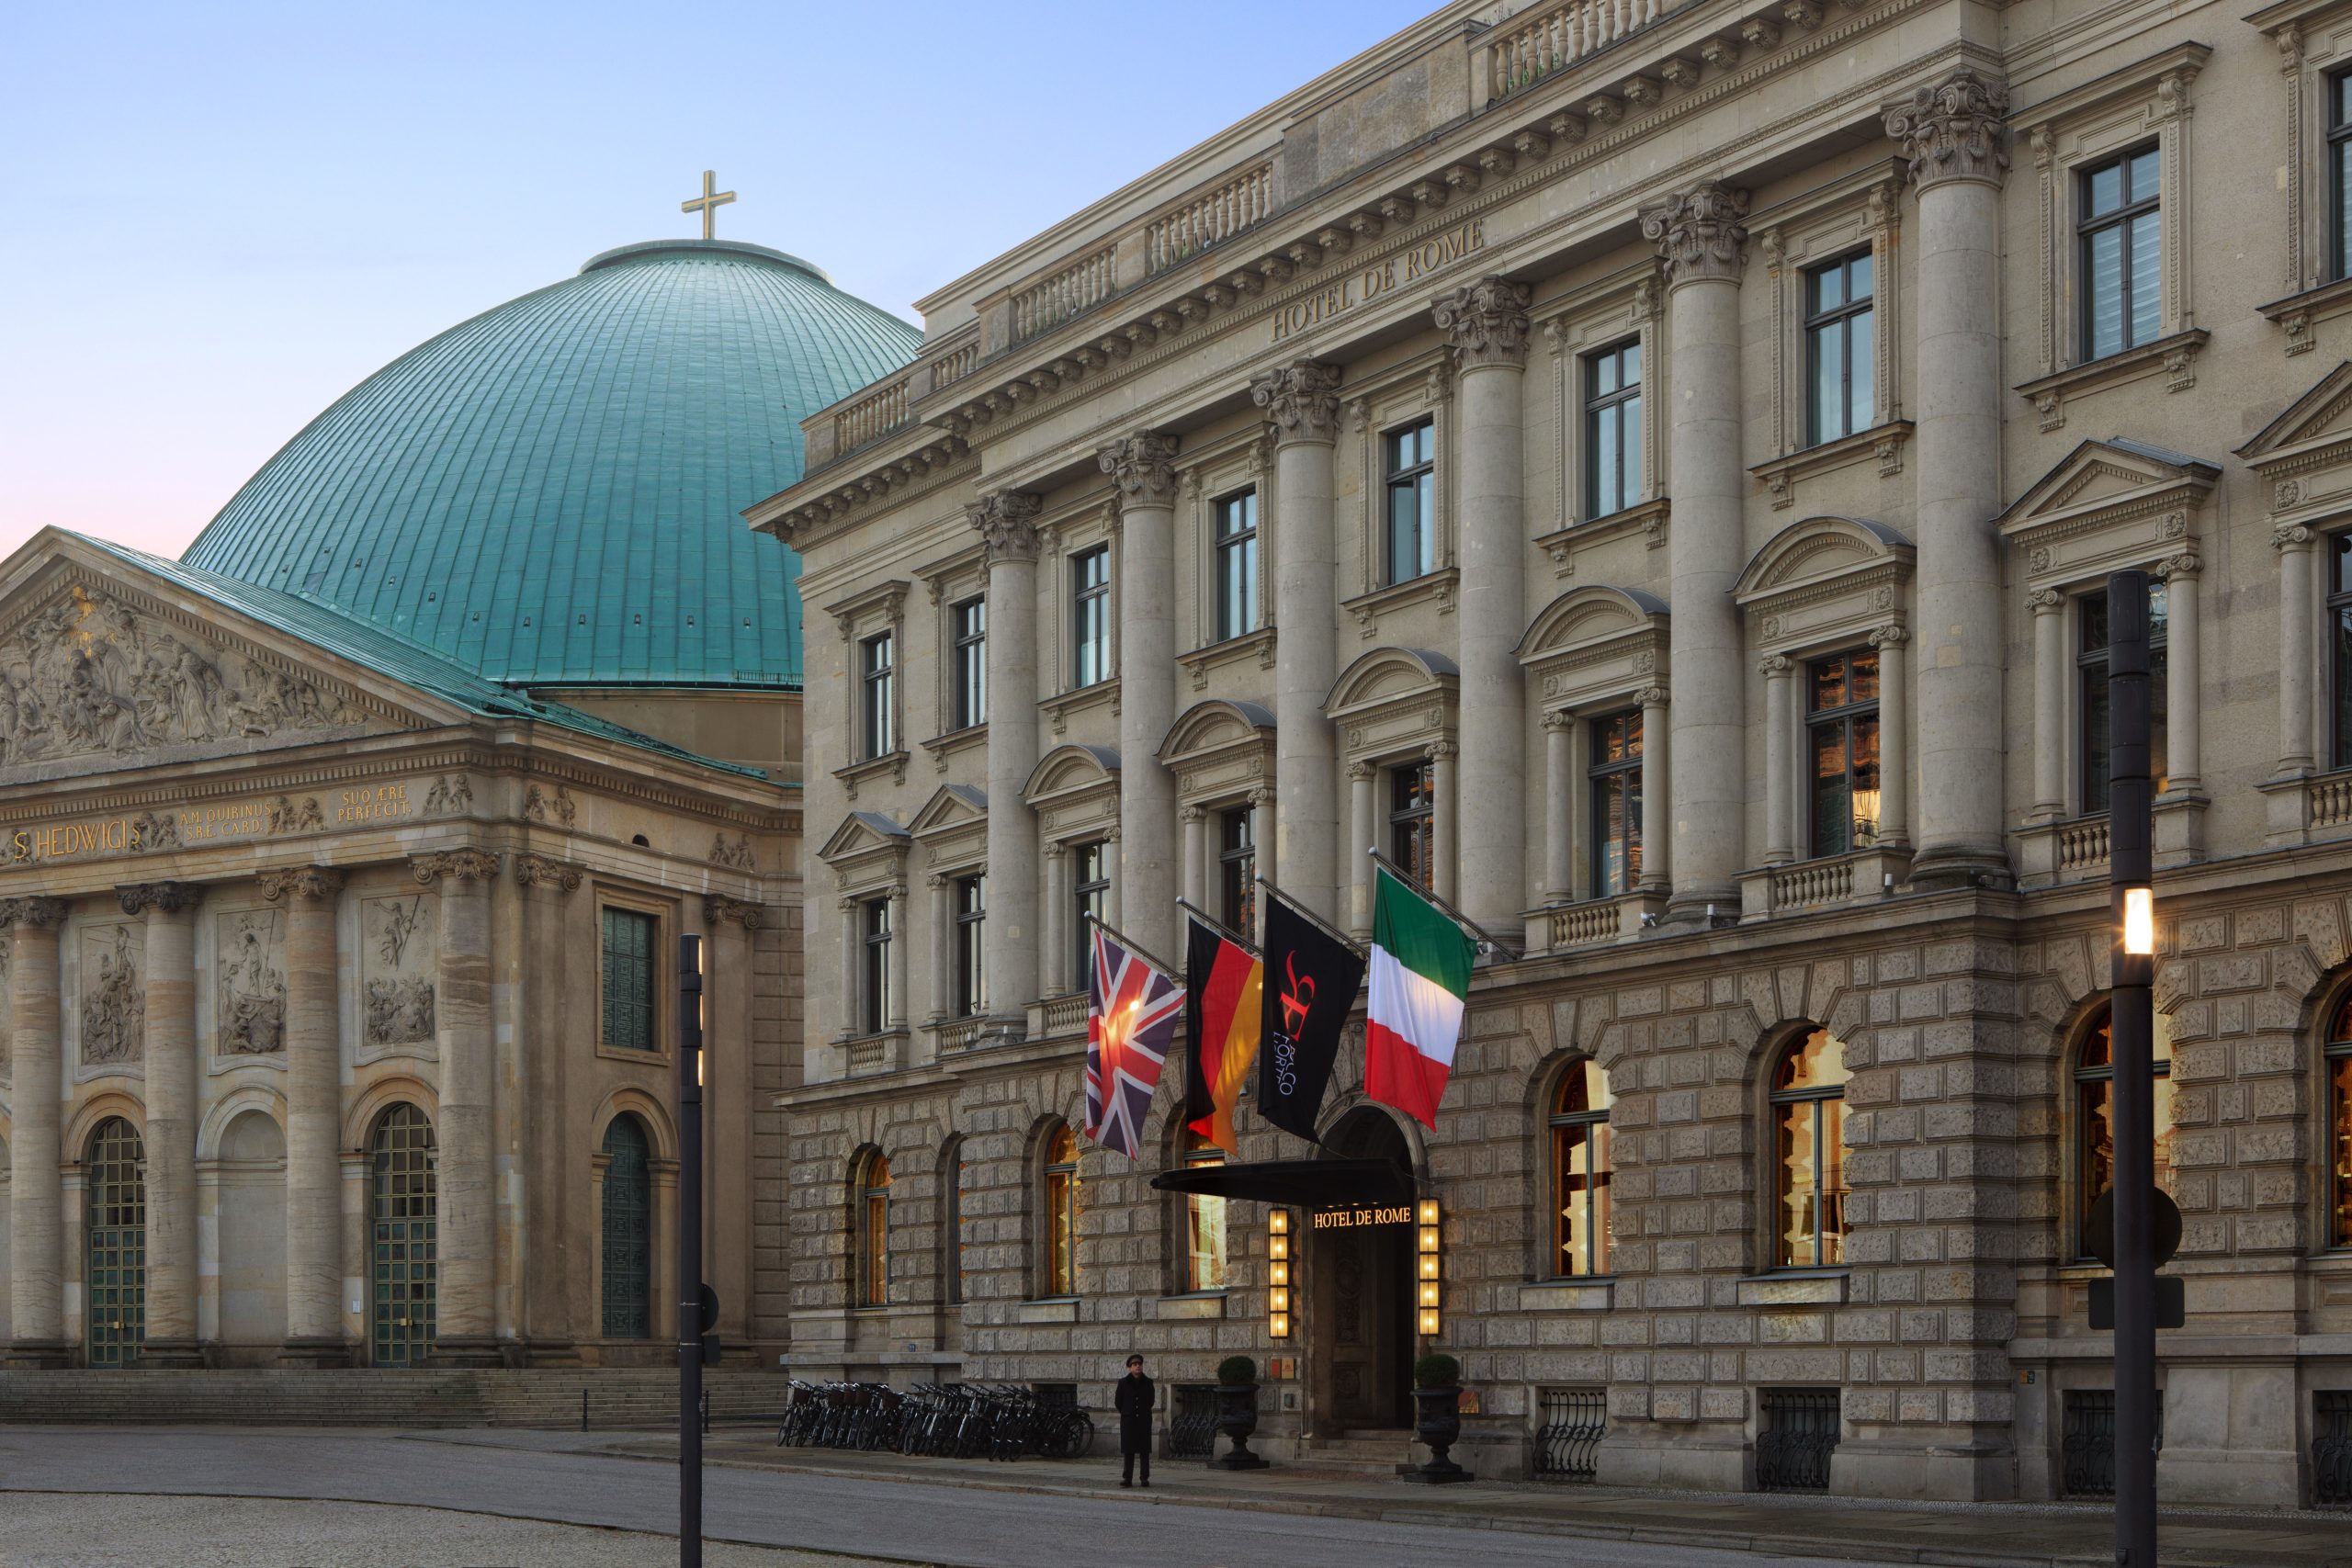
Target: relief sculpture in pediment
114,1002
89,676
253,983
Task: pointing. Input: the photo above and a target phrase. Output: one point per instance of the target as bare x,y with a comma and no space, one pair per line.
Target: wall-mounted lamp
1278,1285
1425,1272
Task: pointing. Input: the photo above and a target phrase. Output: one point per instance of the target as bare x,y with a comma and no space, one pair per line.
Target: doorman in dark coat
1134,1402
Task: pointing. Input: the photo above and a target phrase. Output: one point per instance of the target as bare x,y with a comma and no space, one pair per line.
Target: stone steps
292,1396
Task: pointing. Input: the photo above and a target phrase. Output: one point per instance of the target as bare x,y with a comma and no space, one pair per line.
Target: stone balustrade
1581,925
955,364
2082,845
1816,881
1524,52
1072,291
2331,802
1210,219
873,416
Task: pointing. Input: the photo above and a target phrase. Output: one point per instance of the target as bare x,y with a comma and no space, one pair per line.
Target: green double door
115,1230
402,1207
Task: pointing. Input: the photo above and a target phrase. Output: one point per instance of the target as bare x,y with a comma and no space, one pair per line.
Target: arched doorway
1360,1305
629,1231
401,1206
114,1228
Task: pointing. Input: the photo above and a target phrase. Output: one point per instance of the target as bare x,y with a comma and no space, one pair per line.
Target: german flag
1222,1015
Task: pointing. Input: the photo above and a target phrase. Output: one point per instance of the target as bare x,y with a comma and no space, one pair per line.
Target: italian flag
1420,974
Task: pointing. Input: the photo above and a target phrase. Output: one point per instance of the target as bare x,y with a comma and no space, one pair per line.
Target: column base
315,1351
554,1353
1703,908
1951,866
173,1354
41,1355
451,1351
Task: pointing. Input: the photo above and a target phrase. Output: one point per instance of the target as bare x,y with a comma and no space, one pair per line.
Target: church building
343,861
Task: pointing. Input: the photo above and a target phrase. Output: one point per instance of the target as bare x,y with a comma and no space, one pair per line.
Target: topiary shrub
1235,1370
1436,1370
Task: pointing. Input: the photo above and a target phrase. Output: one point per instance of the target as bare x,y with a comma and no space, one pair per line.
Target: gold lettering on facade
1431,256
1352,1217
188,826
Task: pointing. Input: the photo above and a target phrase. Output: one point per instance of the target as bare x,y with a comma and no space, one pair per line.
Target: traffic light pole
690,1352
2131,817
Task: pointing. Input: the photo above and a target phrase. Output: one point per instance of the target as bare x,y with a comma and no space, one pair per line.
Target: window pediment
953,824
1825,577
1218,747
878,603
1075,786
2107,504
1393,698
1595,641
866,848
2306,452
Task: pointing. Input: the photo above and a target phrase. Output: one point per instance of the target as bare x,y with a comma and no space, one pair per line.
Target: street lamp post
690,1307
2131,829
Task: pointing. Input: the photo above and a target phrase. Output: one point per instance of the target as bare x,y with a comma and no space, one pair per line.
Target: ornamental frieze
68,836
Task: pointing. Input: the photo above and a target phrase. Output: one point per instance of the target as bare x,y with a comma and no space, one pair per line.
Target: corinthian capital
544,871
1484,322
1302,400
1701,233
1144,465
1953,130
46,913
718,907
459,866
301,880
163,897
1007,520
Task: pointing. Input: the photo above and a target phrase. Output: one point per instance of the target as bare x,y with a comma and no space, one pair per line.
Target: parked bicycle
934,1420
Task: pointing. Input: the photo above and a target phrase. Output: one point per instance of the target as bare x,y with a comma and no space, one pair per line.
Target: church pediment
98,670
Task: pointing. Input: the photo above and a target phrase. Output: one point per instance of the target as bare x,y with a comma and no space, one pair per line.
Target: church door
115,1221
629,1231
401,1199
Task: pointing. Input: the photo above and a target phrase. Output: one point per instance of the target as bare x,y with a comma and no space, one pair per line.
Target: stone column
1485,326
2184,741
2297,649
1303,404
466,1225
852,944
1053,965
36,1188
1196,856
546,1098
1445,780
314,1118
169,907
729,1108
1005,521
1894,736
1559,809
1363,833
1113,897
1262,835
2049,608
943,955
1779,767
1952,133
901,935
1657,839
1143,469
1701,236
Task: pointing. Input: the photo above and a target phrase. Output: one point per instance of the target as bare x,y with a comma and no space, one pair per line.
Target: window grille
2087,1445
1569,1442
629,1231
2332,1446
1798,1435
628,980
116,1210
404,1204
1192,1429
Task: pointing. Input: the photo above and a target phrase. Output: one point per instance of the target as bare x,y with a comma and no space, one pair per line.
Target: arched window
1808,1105
1204,1221
951,1221
1061,1213
2339,1126
629,1231
2095,1112
1581,1172
870,1186
404,1207
115,1222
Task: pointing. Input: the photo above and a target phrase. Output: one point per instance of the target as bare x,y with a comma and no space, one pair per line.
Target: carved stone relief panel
397,964
87,676
250,958
114,994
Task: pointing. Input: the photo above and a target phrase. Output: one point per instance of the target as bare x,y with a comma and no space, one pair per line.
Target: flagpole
1325,926
1227,933
1486,939
1132,945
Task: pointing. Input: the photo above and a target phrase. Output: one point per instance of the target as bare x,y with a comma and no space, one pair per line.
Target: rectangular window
2121,232
1412,819
971,672
879,668
873,918
1091,868
1841,742
1205,1232
1411,547
1841,358
1090,617
1614,783
628,980
2339,171
1236,565
971,945
2339,653
1613,429
2091,668
1236,864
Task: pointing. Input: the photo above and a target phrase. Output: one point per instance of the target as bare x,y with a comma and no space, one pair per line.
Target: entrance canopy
1308,1183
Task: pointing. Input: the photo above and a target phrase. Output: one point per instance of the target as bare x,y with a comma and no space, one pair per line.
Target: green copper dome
550,492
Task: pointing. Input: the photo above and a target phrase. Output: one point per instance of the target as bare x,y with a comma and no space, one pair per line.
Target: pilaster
36,1188
172,1337
314,1116
466,1222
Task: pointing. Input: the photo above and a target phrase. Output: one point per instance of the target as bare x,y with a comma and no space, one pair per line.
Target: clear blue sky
214,219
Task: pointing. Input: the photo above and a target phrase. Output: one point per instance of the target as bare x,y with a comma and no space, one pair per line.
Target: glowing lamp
2140,921
1429,1321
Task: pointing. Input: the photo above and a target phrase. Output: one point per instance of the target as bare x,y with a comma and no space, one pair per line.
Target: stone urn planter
1437,1401
1237,1412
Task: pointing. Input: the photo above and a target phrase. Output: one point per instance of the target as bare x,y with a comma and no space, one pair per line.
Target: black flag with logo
1311,982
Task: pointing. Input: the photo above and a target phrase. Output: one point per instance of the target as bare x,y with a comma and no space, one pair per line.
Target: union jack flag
1131,1013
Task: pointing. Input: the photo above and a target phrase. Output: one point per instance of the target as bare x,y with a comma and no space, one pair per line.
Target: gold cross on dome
709,203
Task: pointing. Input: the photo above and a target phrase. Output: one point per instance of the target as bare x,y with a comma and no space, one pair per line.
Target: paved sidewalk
1983,1535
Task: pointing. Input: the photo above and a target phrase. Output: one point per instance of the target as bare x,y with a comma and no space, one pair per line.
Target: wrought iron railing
2086,1442
1794,1443
1191,1425
1569,1440
2332,1446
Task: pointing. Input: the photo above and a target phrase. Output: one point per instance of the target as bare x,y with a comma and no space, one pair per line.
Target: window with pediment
1398,715
1222,753
867,854
952,834
1399,428
1596,661
1075,791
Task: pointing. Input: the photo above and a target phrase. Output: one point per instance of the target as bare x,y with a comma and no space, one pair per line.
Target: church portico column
169,910
36,1187
1302,402
1485,327
551,1221
1703,238
467,1230
1006,521
313,1117
1143,467
1954,134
